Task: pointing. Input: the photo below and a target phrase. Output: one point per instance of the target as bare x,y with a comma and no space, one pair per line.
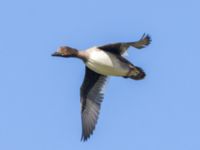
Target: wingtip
84,138
144,41
147,38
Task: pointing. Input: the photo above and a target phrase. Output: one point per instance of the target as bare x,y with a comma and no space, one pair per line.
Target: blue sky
39,100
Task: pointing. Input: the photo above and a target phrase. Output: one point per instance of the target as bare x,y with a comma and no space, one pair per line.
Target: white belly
106,63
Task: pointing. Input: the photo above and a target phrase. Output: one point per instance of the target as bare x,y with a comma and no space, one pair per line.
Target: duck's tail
139,75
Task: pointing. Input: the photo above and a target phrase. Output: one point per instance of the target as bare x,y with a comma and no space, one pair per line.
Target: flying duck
101,62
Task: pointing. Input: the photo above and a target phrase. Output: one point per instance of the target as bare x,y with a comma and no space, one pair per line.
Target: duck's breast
106,63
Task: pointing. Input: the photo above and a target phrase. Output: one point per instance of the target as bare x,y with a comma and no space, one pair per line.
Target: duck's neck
79,54
82,55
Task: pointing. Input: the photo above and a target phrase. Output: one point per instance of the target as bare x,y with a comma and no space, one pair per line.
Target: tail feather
141,75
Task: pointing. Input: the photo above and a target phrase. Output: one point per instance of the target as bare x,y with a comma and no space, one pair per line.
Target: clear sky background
39,94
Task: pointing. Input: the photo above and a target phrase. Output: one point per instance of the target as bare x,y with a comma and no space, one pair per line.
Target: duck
100,63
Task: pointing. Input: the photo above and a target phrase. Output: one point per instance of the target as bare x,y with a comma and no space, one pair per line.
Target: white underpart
106,63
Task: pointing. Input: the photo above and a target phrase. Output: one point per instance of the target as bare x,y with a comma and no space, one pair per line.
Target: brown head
66,51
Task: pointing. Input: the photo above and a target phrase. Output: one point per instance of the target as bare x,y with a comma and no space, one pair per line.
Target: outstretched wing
120,48
91,98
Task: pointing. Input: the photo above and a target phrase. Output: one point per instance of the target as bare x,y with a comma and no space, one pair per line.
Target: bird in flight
101,62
